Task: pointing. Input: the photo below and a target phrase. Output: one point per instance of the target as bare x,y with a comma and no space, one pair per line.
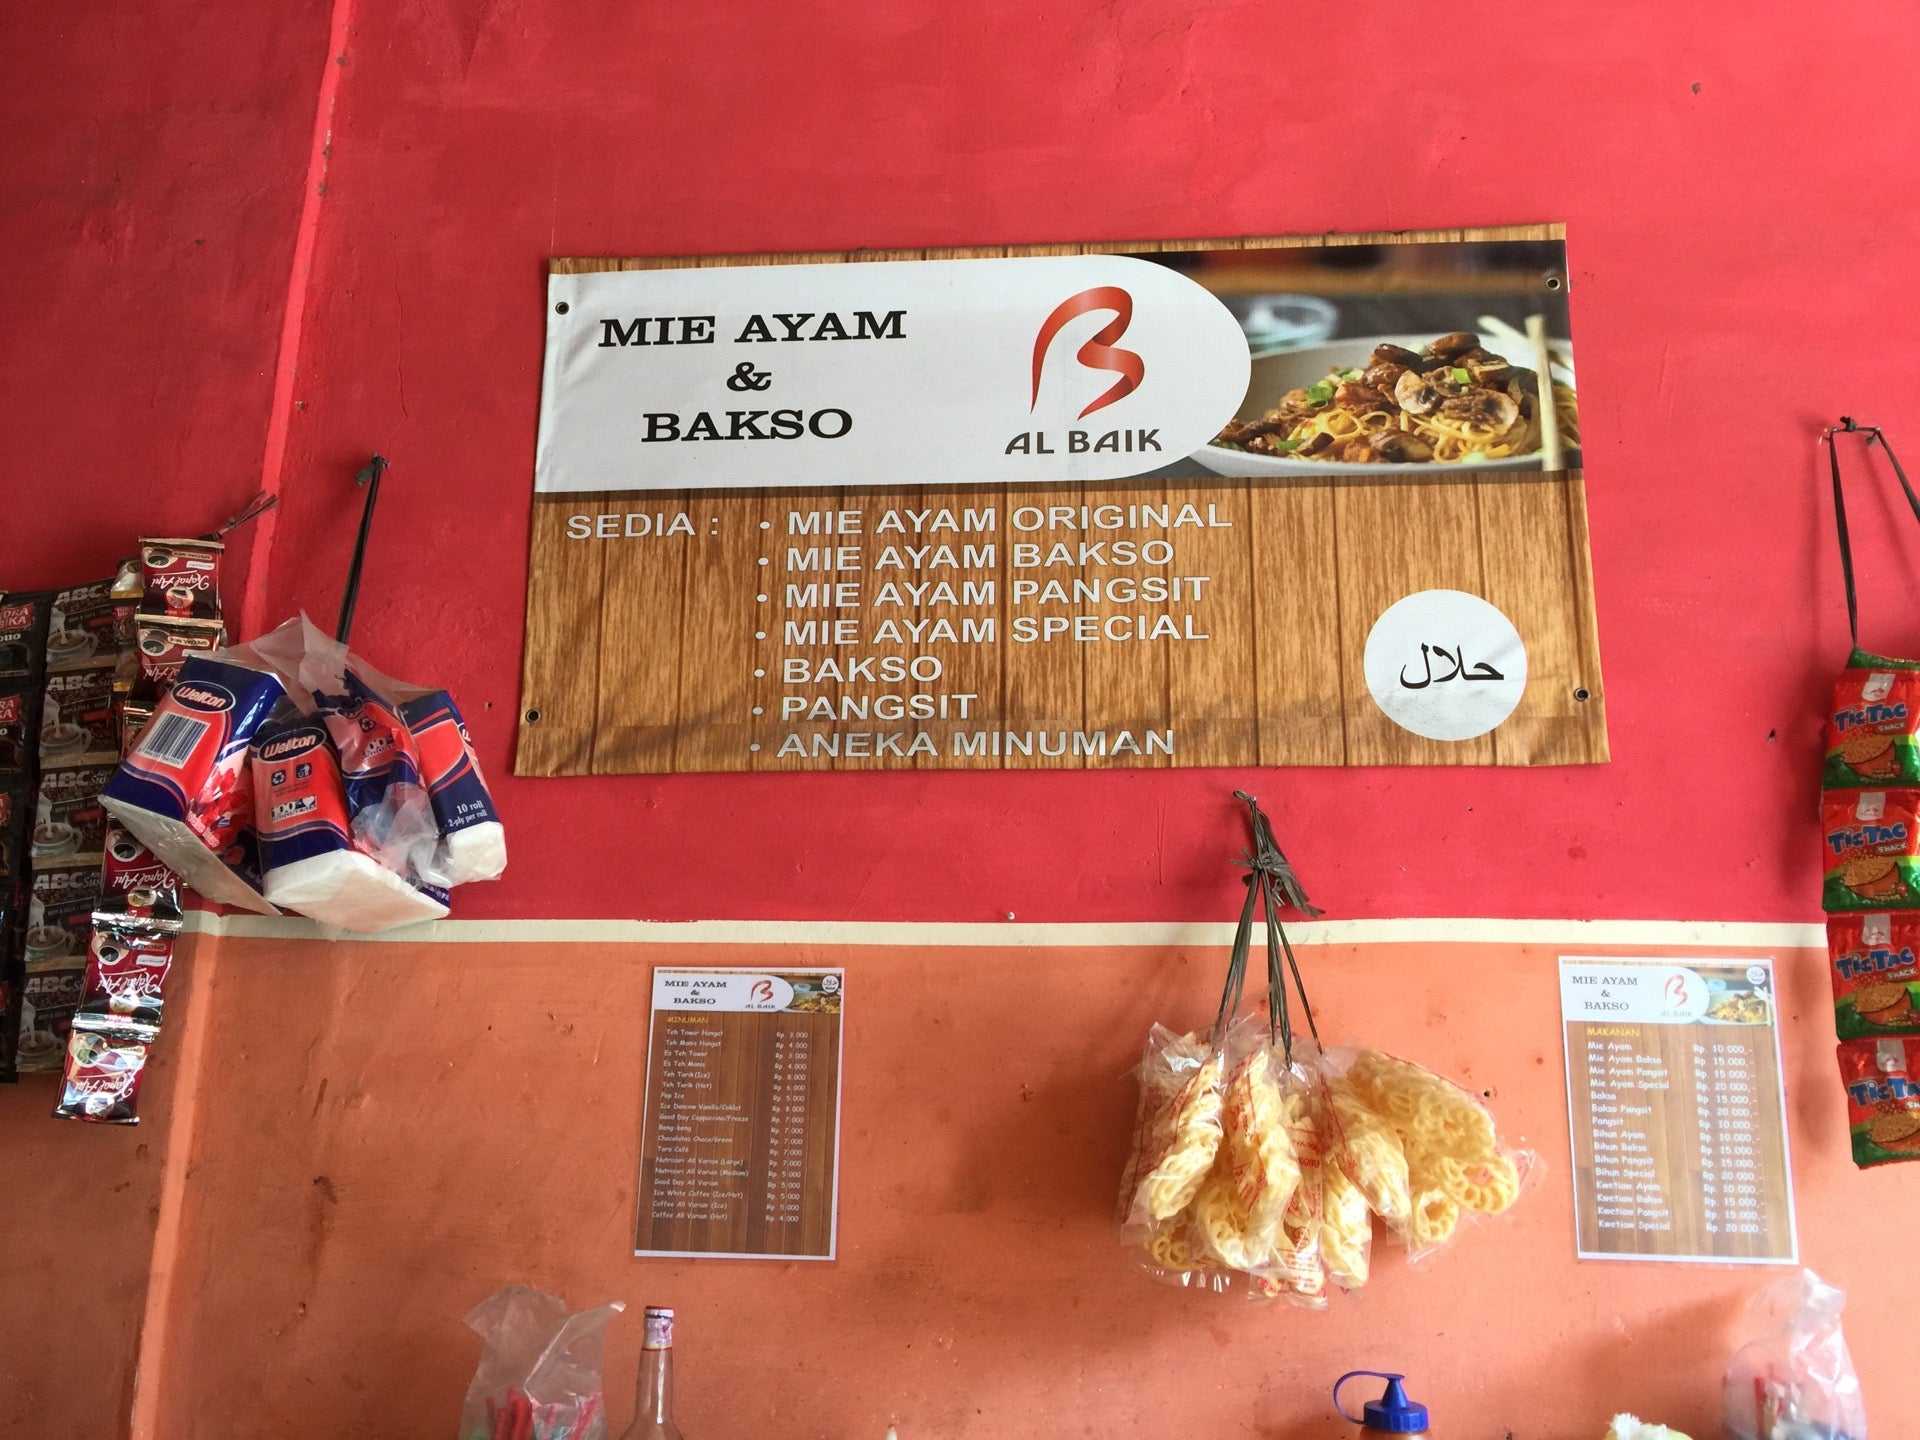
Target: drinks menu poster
1677,1111
740,1145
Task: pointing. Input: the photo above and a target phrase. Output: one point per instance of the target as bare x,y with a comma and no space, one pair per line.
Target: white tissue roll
182,852
349,890
478,852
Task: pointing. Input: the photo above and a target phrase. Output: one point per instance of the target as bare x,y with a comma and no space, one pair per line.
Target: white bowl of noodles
1276,374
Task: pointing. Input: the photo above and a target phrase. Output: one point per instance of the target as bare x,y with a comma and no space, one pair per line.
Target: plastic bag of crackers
1260,1161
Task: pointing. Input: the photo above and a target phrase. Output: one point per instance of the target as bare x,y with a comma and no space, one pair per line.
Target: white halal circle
1445,664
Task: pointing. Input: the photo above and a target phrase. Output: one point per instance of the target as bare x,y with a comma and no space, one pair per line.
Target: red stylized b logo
1099,352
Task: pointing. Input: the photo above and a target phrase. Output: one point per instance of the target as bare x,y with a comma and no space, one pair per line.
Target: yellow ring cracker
1259,1156
1172,1247
1488,1186
1222,1225
1370,1153
1384,1082
1171,1063
1451,1124
1296,1247
1174,1181
1433,1218
1346,1231
1423,1107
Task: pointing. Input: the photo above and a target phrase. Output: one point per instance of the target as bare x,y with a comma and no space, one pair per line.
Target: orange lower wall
73,1268
385,1132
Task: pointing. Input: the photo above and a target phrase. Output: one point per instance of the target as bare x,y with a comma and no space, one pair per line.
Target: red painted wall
149,191
152,178
1740,229
1730,291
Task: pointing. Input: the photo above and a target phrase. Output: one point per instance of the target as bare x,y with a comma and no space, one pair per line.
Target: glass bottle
653,1406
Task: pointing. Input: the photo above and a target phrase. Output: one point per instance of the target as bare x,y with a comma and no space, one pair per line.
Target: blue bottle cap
1393,1413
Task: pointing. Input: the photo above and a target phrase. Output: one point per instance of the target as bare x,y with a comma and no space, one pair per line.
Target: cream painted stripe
1692,933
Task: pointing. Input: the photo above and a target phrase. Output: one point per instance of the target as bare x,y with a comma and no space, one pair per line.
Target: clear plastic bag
1424,1151
1796,1381
539,1373
390,810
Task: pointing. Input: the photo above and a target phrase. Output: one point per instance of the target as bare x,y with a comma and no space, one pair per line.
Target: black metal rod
369,476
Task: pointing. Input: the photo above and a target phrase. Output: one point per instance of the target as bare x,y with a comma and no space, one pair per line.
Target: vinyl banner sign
1256,502
971,372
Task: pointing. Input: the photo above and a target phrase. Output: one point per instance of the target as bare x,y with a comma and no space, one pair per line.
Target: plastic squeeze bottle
1392,1414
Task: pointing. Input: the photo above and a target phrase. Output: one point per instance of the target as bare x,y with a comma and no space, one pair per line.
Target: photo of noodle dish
1401,403
1739,1007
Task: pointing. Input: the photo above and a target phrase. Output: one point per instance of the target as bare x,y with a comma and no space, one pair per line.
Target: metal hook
369,476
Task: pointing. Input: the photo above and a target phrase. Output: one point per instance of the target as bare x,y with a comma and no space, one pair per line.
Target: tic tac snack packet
1875,970
1871,840
185,790
1882,1078
308,854
1871,726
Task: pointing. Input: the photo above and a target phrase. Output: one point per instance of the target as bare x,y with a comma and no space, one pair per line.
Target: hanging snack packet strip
162,644
121,1003
81,627
1223,1188
1871,849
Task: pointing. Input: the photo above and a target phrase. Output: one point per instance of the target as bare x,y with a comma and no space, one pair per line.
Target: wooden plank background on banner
647,656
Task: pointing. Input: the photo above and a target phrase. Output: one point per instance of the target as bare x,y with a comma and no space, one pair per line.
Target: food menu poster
1295,501
1677,1111
740,1149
